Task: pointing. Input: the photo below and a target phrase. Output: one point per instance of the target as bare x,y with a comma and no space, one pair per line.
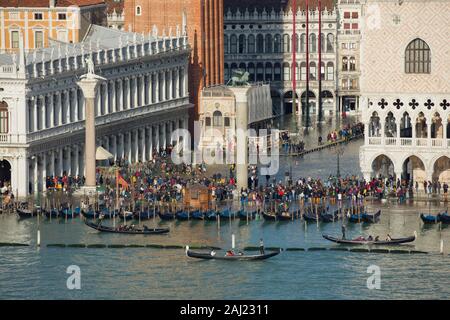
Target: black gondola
244,257
144,230
370,242
285,216
444,218
329,217
430,219
166,216
310,216
25,214
371,218
269,216
243,215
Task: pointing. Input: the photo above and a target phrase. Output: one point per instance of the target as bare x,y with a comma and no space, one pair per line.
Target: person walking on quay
261,246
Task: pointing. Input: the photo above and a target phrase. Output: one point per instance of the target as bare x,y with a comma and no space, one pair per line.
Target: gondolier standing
343,231
261,246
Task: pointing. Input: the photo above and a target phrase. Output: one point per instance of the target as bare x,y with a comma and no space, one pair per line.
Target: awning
102,154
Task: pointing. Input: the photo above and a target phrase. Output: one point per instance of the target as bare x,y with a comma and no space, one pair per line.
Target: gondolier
261,246
343,231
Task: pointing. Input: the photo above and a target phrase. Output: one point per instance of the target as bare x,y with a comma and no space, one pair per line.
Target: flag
122,182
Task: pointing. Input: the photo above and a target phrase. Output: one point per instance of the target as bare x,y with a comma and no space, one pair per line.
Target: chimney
52,3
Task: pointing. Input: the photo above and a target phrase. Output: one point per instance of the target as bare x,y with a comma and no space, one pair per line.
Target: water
147,273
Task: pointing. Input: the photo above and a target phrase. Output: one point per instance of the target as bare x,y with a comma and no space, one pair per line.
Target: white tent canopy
102,154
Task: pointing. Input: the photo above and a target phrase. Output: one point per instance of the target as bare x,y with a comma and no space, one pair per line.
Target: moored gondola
329,217
244,215
237,257
25,214
182,215
444,218
371,218
269,216
166,215
310,216
285,216
144,215
53,213
355,218
198,215
430,219
211,215
226,214
361,240
144,230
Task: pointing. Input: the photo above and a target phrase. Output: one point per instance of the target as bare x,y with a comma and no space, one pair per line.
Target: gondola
444,218
145,230
143,215
166,216
310,216
211,215
329,217
24,213
430,219
355,218
242,214
243,257
198,215
371,242
53,213
226,214
285,216
70,213
269,216
182,215
371,218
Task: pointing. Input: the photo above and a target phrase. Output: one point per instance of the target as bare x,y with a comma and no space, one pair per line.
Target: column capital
89,86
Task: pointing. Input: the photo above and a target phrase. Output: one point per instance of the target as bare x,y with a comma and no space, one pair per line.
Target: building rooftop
46,3
277,5
114,5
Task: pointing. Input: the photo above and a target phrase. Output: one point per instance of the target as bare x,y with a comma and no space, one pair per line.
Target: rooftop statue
239,78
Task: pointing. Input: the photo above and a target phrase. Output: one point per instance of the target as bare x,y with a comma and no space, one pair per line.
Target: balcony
409,142
8,138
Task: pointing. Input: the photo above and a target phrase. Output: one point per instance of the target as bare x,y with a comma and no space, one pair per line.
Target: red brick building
203,22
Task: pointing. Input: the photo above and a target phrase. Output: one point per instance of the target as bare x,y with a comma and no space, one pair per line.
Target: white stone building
258,38
143,100
218,111
348,43
405,65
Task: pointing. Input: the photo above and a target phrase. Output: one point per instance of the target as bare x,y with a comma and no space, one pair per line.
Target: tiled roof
46,3
277,5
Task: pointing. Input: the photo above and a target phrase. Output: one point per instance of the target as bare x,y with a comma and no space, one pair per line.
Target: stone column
119,91
69,160
242,138
52,164
177,83
89,85
44,171
129,140
149,147
143,142
163,135
163,86
76,160
35,114
157,137
60,107
35,175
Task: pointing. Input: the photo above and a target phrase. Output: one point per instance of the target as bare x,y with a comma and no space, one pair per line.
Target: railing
437,142
406,142
11,138
390,141
421,142
375,141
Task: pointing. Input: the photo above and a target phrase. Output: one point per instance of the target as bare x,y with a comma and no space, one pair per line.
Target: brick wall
204,26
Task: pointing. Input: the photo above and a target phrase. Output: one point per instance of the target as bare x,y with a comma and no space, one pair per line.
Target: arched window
225,44
303,71
277,43
352,64
259,43
330,71
322,42
322,70
286,43
344,64
4,127
303,42
330,42
417,57
297,48
286,72
233,44
312,42
268,43
242,66
251,44
312,71
208,121
138,10
226,72
241,44
259,72
233,68
268,71
251,71
217,118
277,72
